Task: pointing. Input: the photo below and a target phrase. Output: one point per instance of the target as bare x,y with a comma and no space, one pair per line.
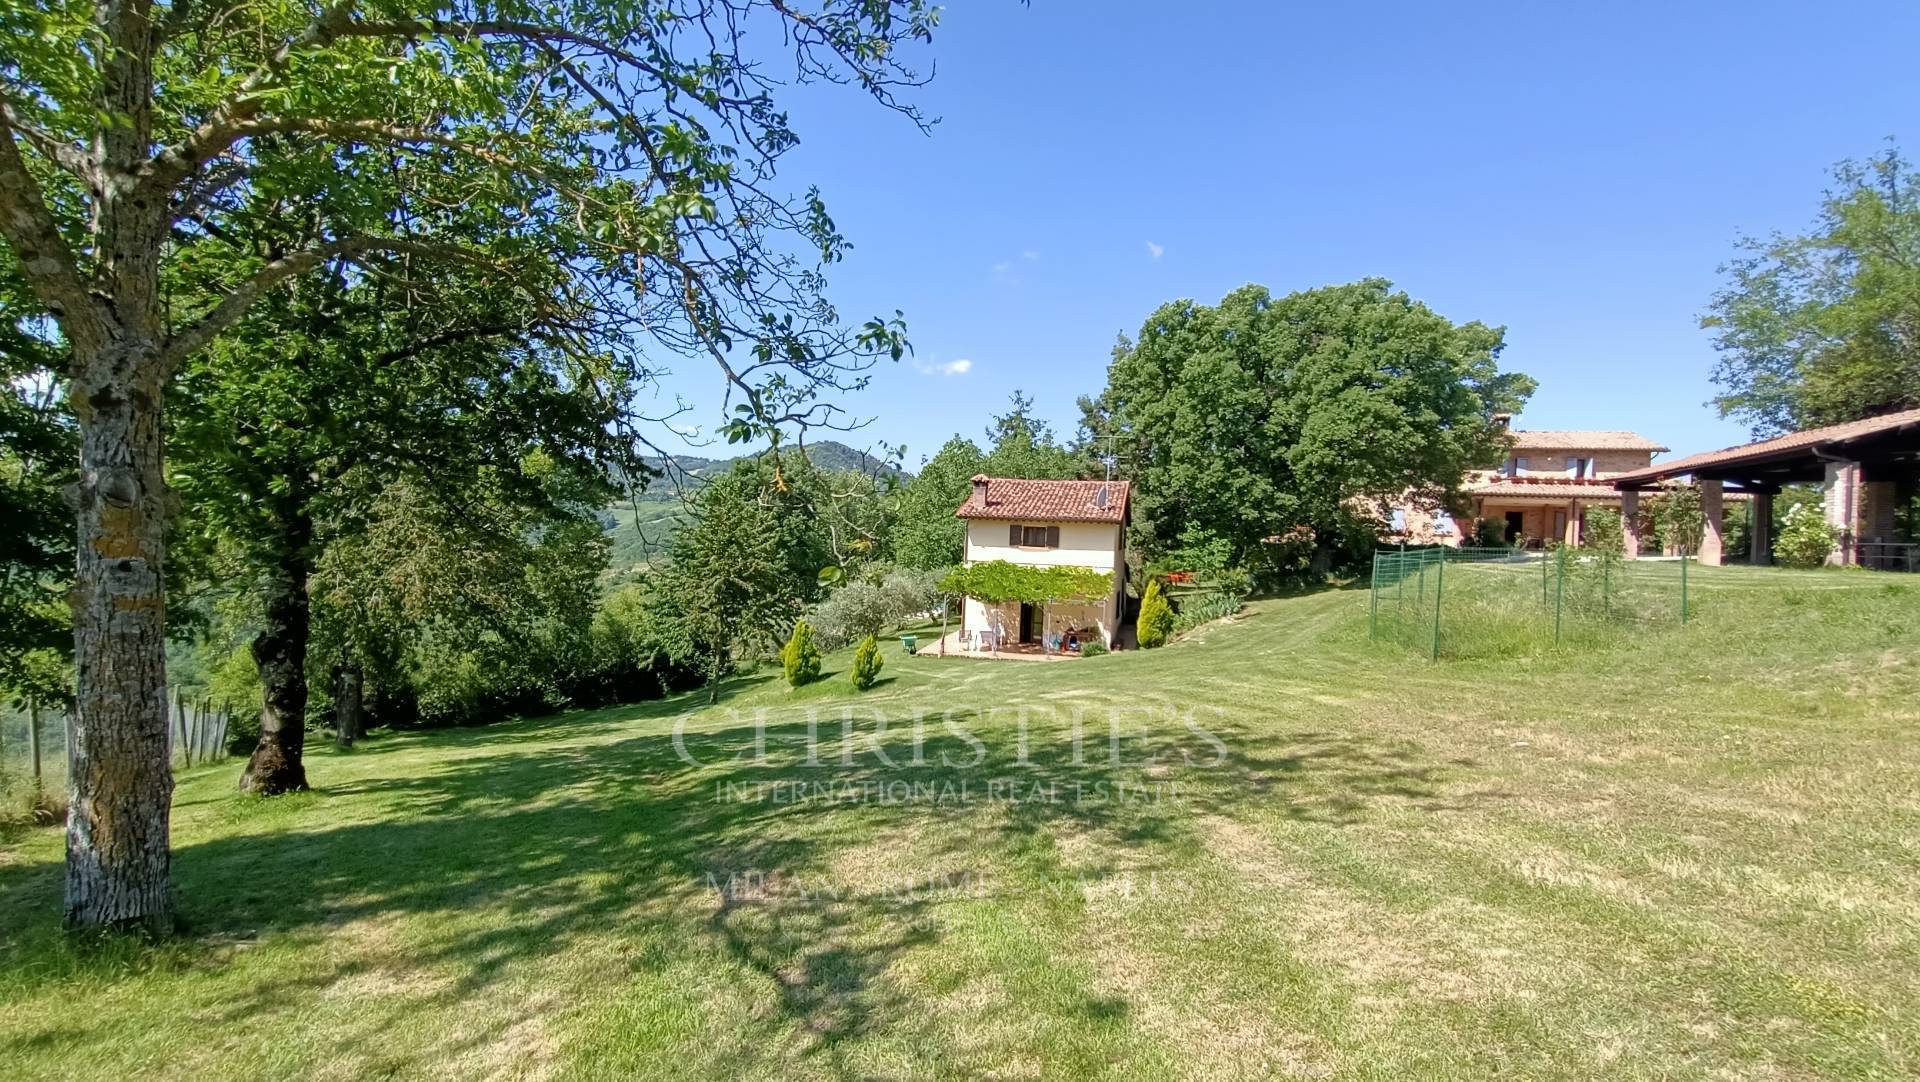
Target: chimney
980,489
1503,421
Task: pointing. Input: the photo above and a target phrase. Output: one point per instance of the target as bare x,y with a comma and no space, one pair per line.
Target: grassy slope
1692,856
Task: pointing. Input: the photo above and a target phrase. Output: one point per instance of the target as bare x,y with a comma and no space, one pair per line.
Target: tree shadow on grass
759,854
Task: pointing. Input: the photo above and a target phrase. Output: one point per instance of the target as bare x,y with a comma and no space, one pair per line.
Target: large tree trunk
349,704
120,781
280,652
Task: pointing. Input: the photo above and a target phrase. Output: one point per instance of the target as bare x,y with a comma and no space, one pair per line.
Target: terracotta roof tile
1792,441
1046,501
1551,440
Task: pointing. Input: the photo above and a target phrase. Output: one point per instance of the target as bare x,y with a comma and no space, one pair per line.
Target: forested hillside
641,526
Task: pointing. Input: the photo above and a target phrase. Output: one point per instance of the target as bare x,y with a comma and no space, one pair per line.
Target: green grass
1685,853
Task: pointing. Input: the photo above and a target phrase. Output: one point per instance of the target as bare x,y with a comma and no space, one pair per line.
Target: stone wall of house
1554,463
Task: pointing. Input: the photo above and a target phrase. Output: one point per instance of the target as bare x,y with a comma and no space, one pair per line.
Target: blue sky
1574,174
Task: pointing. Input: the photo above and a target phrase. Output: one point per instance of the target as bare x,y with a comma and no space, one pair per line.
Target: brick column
1842,502
1629,513
1760,529
1713,524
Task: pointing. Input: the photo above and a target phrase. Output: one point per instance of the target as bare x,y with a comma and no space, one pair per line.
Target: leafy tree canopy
36,545
1246,419
1824,327
1022,445
927,534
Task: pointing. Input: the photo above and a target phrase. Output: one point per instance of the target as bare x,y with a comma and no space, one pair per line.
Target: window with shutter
1013,534
1033,537
1053,537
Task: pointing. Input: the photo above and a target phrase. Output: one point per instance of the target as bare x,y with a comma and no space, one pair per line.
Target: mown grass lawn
1691,854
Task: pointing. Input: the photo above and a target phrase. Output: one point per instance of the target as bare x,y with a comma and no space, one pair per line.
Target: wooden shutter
1053,537
1013,535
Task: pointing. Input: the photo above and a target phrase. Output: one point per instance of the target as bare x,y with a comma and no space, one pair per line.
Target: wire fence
34,742
1495,602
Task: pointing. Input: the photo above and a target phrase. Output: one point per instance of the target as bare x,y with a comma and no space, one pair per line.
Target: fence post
1439,587
180,725
1559,589
33,737
1373,615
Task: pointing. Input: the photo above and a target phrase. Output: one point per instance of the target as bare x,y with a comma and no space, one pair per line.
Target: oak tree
1244,420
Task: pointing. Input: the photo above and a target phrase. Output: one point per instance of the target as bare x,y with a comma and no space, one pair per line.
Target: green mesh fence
1494,602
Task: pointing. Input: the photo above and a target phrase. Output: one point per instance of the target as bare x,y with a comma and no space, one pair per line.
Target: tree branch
198,334
46,262
63,154
211,139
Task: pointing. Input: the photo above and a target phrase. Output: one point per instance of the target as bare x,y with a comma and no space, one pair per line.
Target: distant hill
826,454
641,527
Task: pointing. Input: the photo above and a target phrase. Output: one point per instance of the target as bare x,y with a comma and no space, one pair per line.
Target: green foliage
749,563
1204,608
1156,617
867,663
926,533
1673,518
998,581
1022,445
37,452
1817,328
1093,647
1200,551
1806,537
850,612
867,608
800,658
1907,519
1604,532
1244,420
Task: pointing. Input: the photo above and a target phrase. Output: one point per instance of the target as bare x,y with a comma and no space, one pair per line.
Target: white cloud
1029,255
951,368
1154,250
1002,268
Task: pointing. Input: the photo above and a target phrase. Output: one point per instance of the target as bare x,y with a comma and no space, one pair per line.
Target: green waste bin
911,643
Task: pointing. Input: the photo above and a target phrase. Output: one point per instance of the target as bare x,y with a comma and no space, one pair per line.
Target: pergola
1865,468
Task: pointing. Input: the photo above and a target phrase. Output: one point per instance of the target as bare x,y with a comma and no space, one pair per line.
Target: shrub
1156,617
911,591
1604,532
1806,537
1206,608
1490,533
800,657
862,607
851,611
867,663
1674,518
1093,647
